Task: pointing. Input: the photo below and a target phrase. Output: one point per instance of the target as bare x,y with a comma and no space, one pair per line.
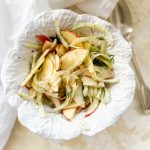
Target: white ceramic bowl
16,67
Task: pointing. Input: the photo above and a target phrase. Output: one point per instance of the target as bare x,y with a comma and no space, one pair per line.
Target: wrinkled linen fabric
14,15
101,8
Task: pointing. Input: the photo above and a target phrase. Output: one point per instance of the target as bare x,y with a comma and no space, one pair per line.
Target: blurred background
132,130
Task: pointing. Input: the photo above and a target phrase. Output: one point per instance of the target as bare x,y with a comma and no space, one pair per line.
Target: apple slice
92,107
46,45
88,81
69,113
70,37
61,50
73,58
57,62
46,69
55,101
79,109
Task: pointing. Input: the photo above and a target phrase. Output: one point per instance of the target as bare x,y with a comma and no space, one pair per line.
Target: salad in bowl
68,75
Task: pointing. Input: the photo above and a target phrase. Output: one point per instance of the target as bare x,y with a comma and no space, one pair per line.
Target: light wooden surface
131,132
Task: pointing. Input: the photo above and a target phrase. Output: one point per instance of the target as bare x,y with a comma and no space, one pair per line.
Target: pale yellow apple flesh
46,45
73,58
46,69
69,113
70,37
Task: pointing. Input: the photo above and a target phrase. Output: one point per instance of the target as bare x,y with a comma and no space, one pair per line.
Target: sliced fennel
33,46
105,95
39,102
96,27
78,95
71,72
85,91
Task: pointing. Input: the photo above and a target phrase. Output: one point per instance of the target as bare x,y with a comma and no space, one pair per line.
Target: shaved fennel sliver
83,39
35,58
115,80
57,23
33,46
105,97
33,71
39,102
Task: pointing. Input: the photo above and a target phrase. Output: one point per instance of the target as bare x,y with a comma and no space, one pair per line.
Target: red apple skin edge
87,115
42,38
